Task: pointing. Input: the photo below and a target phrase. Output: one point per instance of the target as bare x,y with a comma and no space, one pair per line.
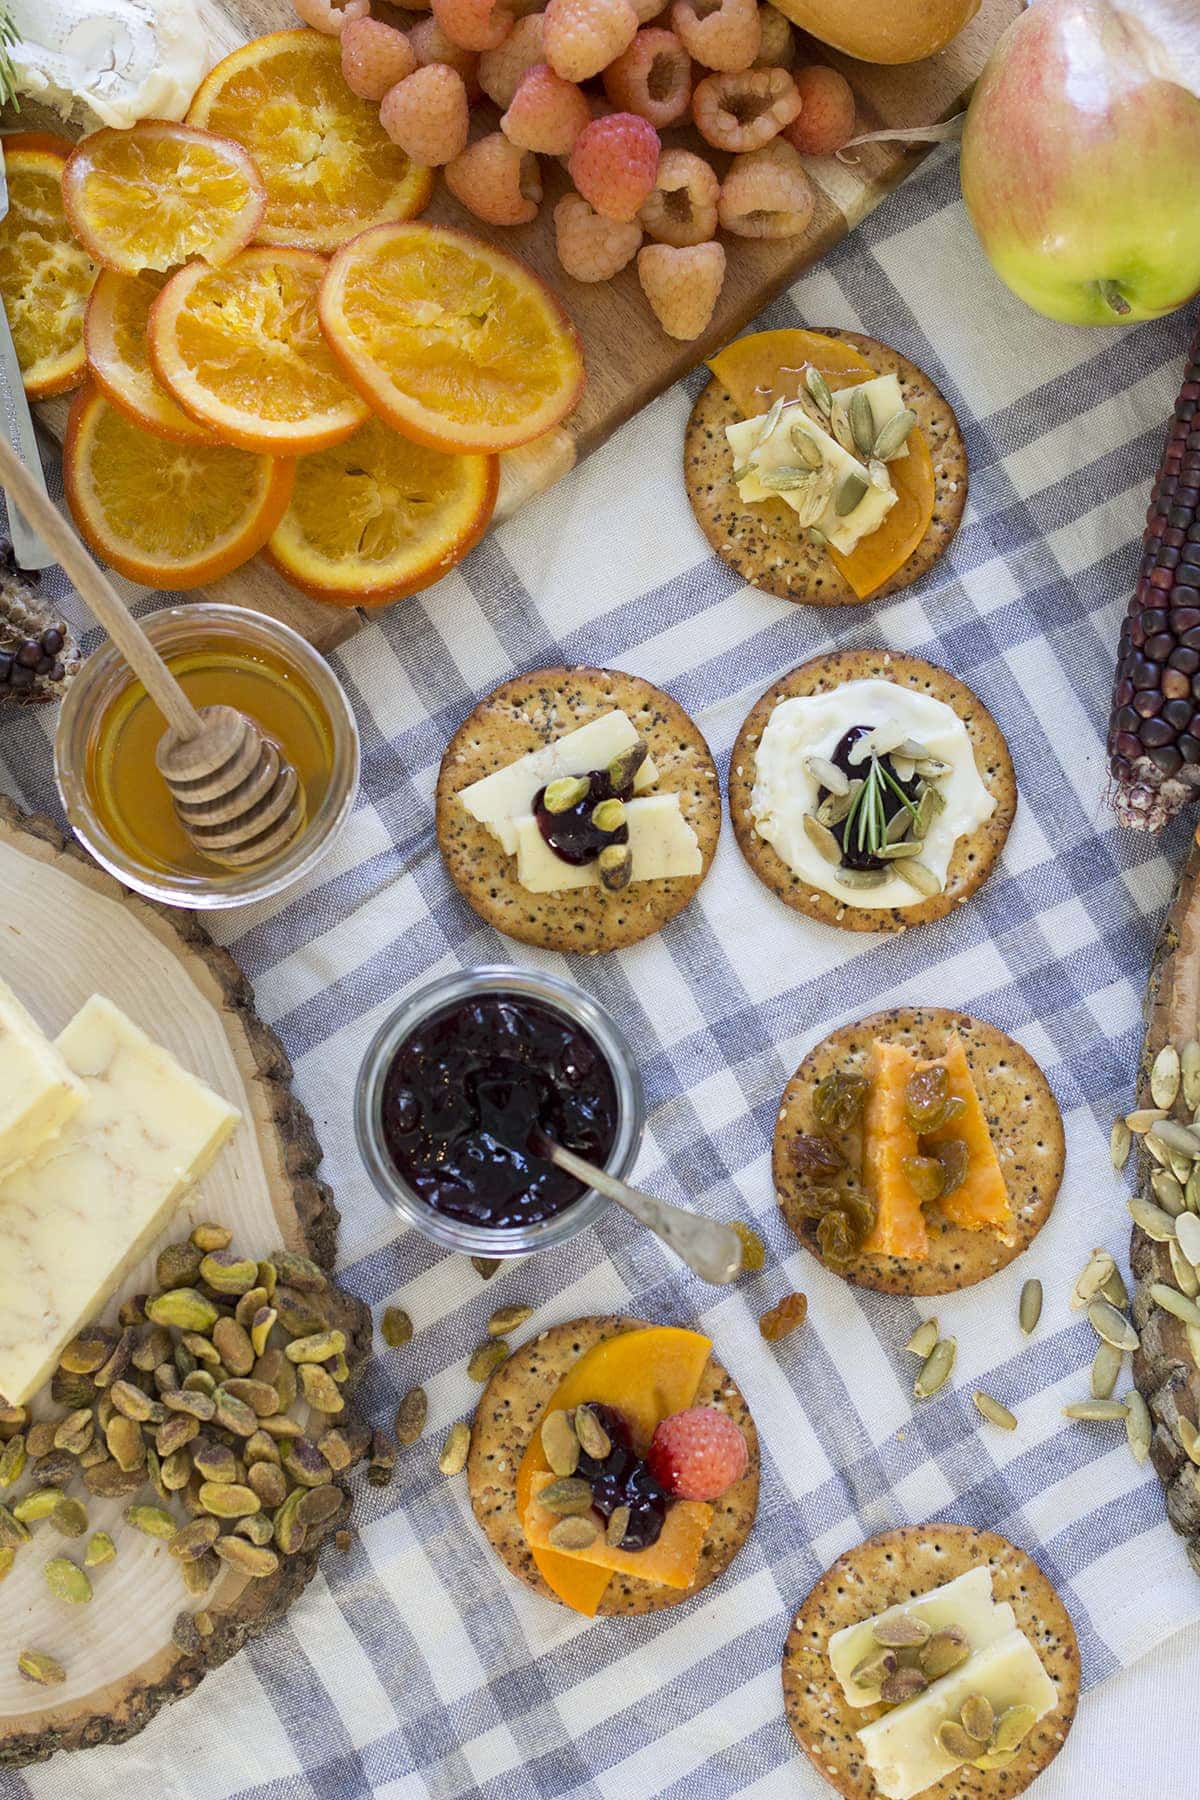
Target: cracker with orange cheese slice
918,1151
643,1374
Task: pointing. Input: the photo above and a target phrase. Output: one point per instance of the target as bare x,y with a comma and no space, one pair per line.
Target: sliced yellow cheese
966,1602
662,843
77,1219
779,451
38,1092
506,795
901,1748
885,399
669,1562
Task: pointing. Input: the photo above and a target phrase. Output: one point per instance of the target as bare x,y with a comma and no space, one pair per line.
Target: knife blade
28,548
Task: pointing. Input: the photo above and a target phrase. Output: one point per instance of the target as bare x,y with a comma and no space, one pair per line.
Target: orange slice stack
45,275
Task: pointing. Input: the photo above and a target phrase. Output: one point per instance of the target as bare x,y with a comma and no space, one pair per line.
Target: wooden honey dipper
236,797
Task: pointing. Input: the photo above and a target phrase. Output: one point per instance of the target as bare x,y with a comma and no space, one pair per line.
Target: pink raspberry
431,45
744,112
496,181
582,37
331,16
614,163
766,193
653,78
721,34
375,57
825,122
700,1453
427,115
777,48
682,209
473,24
500,71
591,248
547,113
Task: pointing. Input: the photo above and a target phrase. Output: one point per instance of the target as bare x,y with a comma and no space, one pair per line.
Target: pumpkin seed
864,878
1168,1191
770,420
834,808
453,1459
977,1717
1014,1724
574,1533
819,388
994,1412
569,1495
1156,1148
1120,1139
816,537
1111,1325
1191,1190
1100,1411
559,1442
1153,1220
1189,1064
862,422
67,1581
945,1650
901,1631
785,477
1193,1338
919,875
806,447
1186,1278
410,1415
395,1327
850,494
1174,1136
593,1438
1030,1309
936,1369
1189,1437
923,1338
1106,1370
36,1666
880,479
1165,1077
821,839
1175,1303
827,774
1138,1426
1114,1289
902,1684
1187,1231
508,1318
895,433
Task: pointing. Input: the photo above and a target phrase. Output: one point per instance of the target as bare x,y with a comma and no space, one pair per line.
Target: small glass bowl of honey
118,804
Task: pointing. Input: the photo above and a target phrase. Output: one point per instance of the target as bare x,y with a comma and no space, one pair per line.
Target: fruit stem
1111,294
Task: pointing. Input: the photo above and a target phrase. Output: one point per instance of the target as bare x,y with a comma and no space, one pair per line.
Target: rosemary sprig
868,815
8,74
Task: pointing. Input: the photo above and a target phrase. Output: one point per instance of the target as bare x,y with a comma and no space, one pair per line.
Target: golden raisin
754,1253
783,1317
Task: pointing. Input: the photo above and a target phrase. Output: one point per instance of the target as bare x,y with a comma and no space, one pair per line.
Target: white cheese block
901,1748
966,1602
885,399
501,798
84,1212
110,62
662,842
38,1092
778,450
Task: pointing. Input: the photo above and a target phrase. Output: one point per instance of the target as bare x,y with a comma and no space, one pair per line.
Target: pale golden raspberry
427,115
331,16
744,112
682,209
682,285
547,113
473,24
826,119
496,180
590,247
721,34
431,45
581,37
375,57
766,194
653,78
500,70
777,49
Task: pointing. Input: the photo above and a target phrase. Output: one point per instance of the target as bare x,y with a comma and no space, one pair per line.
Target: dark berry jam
624,1479
467,1090
852,856
572,835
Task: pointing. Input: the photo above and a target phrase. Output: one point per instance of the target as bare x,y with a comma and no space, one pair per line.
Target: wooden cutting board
629,360
68,931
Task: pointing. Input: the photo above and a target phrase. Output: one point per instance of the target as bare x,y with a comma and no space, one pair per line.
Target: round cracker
524,714
1022,1116
764,544
975,855
886,1571
510,1410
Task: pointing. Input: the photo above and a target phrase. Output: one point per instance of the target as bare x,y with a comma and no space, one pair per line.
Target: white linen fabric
415,1666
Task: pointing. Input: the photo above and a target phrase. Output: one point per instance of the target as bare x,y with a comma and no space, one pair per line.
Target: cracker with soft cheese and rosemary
871,790
932,1660
918,1151
578,809
823,466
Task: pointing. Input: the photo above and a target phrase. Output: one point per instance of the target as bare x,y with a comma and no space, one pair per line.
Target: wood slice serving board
629,360
66,931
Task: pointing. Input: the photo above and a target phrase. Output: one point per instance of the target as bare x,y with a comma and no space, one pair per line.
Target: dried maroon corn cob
1154,731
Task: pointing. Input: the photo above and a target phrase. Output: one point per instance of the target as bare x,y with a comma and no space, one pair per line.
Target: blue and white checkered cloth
416,1666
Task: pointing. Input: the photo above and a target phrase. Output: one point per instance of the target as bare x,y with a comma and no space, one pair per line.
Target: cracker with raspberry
511,1409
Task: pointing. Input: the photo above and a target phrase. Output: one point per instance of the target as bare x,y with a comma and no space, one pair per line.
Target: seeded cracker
886,1571
765,544
532,710
511,1410
1022,1116
975,855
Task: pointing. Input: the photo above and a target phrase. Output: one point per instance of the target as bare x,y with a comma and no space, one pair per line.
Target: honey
130,799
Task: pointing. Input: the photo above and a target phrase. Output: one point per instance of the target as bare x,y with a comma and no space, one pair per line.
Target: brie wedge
111,62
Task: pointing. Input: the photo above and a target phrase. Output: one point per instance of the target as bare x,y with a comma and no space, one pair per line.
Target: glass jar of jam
455,1088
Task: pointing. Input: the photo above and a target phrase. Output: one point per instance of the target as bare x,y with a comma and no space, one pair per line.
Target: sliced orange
167,515
452,341
115,332
330,168
157,194
241,348
379,516
45,276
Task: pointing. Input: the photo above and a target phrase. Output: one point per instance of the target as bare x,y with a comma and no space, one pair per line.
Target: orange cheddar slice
647,1375
671,1562
888,1140
770,365
981,1201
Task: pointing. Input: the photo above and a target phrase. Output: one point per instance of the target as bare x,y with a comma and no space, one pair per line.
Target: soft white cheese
500,799
814,724
38,1092
778,450
966,1602
78,1218
110,62
661,843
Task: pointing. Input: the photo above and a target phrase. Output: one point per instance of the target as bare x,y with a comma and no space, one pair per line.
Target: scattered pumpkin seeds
993,1411
1112,1325
1153,1220
1106,1370
100,1550
1165,1076
895,433
1029,1310
850,494
1138,1425
1091,1279
1187,1232
923,1338
1186,1278
1102,1411
936,1370
862,422
1185,1431
1175,1303
1119,1142
453,1459
819,388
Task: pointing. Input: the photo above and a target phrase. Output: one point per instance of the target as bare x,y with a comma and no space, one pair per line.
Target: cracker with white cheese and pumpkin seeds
943,713
494,846
765,542
898,1573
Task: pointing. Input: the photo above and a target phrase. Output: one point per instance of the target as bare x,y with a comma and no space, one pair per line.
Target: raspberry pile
723,67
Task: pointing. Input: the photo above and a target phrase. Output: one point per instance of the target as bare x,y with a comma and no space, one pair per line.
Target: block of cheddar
671,1562
980,1202
38,1092
889,1140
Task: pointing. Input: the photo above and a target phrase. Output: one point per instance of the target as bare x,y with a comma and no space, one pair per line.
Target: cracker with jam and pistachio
871,790
614,1465
918,1151
578,809
824,467
933,1660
